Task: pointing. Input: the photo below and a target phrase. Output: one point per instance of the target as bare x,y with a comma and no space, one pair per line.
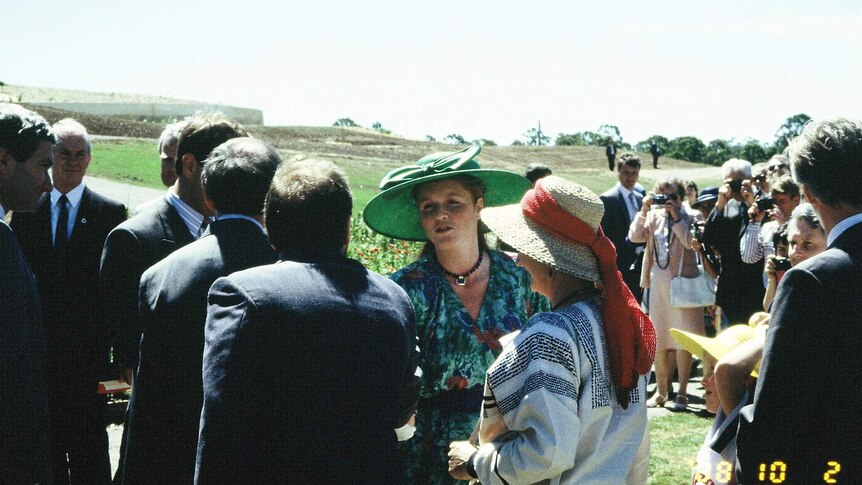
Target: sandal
656,401
681,403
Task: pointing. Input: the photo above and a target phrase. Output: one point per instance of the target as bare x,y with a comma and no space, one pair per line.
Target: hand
672,210
459,453
777,216
696,245
647,203
747,192
126,375
769,268
724,194
755,214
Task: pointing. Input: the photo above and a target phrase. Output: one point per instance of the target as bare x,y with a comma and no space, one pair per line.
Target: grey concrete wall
157,111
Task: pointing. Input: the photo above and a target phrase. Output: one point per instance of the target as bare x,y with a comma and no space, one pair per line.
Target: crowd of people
257,351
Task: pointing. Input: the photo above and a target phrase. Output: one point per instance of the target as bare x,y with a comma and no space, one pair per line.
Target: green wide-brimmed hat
394,211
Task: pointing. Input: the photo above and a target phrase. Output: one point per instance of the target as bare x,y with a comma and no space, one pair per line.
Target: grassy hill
129,154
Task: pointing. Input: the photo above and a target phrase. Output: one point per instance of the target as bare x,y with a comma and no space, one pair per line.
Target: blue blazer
806,405
164,410
24,448
304,368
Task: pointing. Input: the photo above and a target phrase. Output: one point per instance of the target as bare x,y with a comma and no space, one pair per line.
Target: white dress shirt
74,204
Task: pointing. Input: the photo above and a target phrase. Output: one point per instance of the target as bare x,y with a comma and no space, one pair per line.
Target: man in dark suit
26,154
307,360
63,241
805,411
147,238
611,153
740,285
622,202
164,412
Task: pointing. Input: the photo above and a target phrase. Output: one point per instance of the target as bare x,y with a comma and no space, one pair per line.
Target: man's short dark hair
630,159
535,171
827,159
237,175
785,185
21,130
203,133
308,207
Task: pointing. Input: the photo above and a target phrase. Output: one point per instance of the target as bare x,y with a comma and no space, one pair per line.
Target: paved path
131,195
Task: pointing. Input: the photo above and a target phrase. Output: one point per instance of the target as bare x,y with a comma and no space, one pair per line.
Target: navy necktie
61,233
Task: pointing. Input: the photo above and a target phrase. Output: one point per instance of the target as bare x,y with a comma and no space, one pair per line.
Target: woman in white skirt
666,231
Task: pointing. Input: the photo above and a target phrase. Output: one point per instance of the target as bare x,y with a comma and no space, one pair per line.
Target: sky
481,69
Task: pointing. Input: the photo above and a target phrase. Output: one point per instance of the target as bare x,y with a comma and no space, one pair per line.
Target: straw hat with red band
558,223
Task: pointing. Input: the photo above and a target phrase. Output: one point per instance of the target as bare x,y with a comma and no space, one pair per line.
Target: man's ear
188,162
347,235
209,202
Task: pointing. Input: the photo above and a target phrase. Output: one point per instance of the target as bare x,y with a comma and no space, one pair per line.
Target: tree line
688,148
692,148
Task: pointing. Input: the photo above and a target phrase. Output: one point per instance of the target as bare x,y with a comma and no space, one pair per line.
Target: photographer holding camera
740,286
756,242
805,238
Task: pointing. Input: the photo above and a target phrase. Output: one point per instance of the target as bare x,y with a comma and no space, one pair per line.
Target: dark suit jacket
24,447
130,249
615,224
740,285
68,283
164,411
806,406
304,367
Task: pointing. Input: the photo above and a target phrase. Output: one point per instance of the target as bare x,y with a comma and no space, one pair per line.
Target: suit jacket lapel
83,218
174,227
43,229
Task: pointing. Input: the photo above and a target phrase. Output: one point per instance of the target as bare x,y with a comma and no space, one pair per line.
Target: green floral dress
456,352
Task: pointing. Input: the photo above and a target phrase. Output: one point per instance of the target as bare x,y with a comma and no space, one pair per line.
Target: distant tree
455,139
344,122
430,138
377,126
535,137
582,138
753,151
686,148
643,146
720,151
608,134
483,142
791,128
517,143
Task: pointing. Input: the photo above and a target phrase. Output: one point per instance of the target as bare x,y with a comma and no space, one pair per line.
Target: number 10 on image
776,472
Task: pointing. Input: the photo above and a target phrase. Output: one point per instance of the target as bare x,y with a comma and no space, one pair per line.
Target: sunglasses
776,166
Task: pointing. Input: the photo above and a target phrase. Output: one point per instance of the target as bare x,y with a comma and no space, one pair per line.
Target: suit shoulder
104,200
610,193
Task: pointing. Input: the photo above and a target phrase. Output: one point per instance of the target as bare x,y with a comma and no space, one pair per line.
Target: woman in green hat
465,295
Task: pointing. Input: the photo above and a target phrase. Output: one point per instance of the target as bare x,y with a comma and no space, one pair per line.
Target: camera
660,199
697,229
781,264
765,203
736,186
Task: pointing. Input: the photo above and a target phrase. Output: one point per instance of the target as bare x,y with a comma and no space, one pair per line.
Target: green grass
674,441
134,162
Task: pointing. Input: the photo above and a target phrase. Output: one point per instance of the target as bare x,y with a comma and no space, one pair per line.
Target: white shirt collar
841,227
625,191
191,218
223,217
73,195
